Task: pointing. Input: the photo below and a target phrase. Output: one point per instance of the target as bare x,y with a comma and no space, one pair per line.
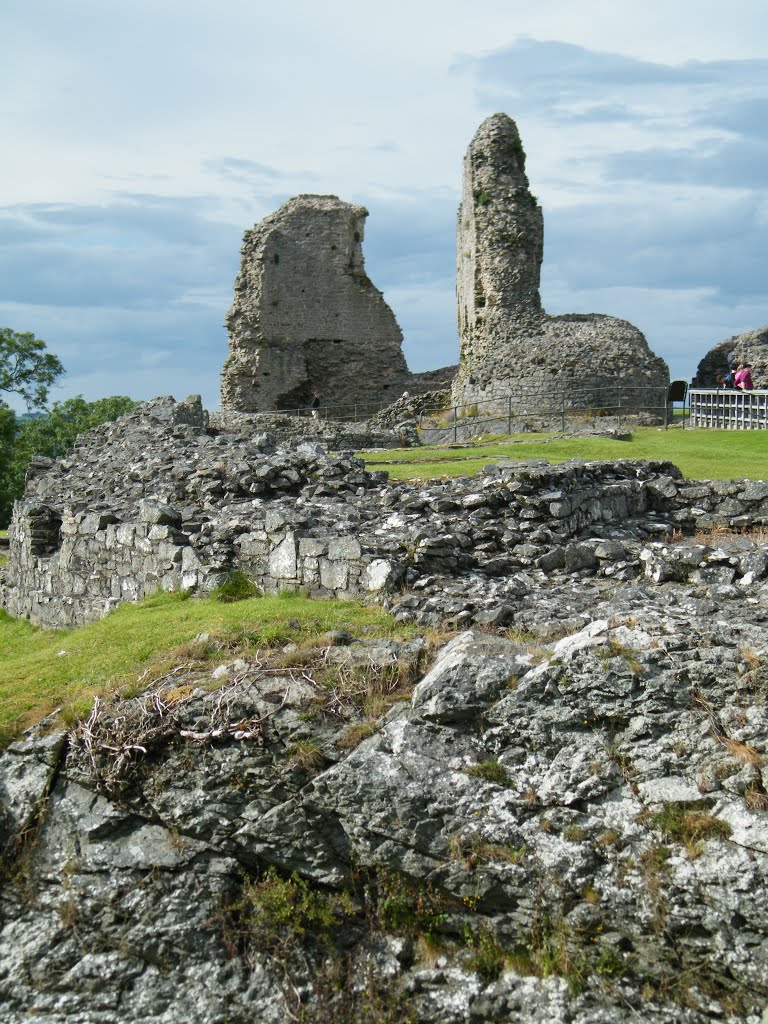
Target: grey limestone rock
580,827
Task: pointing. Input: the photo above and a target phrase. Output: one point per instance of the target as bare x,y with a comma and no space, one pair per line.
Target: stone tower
306,316
500,243
507,343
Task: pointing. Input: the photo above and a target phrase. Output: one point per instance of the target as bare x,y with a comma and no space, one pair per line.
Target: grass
700,454
690,824
41,669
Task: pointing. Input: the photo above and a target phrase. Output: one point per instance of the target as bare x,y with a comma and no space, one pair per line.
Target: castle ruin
750,347
507,342
306,317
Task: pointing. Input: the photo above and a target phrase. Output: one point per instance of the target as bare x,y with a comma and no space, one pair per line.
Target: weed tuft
491,771
236,587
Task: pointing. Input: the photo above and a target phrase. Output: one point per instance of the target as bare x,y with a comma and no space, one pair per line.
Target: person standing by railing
315,405
743,379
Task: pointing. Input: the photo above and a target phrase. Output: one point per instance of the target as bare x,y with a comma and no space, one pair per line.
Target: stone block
313,546
156,512
344,548
334,575
282,559
380,575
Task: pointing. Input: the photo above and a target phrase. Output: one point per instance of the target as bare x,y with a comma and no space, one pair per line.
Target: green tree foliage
26,369
50,435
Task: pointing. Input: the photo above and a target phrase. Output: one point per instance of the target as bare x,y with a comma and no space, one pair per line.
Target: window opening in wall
44,525
276,258
357,236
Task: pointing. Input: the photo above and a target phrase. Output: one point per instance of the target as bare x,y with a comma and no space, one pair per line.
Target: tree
50,435
26,369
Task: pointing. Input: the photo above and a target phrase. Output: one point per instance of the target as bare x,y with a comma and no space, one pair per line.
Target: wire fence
555,406
534,408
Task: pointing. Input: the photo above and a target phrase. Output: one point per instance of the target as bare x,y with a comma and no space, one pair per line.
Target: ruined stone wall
499,242
151,502
306,316
750,347
507,343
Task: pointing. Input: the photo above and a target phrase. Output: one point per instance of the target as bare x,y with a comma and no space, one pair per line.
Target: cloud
548,75
242,171
134,251
724,164
675,244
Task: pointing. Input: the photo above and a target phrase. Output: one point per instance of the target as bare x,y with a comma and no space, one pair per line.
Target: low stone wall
397,429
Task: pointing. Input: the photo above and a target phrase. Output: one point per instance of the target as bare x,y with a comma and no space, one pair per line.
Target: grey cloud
136,251
733,164
242,171
541,75
747,116
410,237
718,247
604,113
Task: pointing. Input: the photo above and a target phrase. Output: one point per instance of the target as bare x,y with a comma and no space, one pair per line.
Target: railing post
562,412
618,412
455,423
509,414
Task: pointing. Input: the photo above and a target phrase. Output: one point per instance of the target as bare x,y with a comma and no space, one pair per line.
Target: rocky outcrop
750,347
572,833
306,317
558,813
507,343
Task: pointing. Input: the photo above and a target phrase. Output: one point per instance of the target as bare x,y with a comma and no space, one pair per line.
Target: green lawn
42,669
700,454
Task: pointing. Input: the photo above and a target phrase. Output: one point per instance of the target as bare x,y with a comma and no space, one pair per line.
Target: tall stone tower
306,317
508,345
500,244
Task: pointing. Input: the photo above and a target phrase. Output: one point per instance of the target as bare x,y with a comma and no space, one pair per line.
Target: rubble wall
159,500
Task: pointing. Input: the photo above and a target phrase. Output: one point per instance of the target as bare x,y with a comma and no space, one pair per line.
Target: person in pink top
743,378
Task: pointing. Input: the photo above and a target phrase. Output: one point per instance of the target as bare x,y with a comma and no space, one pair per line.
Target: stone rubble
160,499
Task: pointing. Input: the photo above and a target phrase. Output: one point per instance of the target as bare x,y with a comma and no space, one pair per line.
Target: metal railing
555,408
572,399
728,409
355,413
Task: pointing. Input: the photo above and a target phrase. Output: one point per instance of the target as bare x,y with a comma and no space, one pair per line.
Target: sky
143,137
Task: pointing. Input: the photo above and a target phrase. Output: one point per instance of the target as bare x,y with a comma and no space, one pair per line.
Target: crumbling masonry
507,341
306,317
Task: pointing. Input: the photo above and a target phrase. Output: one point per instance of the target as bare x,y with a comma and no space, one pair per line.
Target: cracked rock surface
584,822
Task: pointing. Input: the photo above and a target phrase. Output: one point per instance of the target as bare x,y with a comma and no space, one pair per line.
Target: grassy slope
44,669
700,454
